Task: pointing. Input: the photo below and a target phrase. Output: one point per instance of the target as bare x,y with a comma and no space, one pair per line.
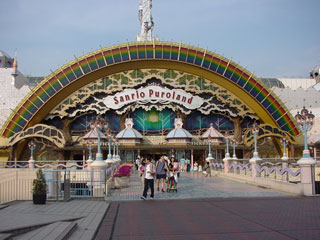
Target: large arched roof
139,55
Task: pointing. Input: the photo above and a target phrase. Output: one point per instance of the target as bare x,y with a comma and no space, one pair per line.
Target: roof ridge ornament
128,123
178,123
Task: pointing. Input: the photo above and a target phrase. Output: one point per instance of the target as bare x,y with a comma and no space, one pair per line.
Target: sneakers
158,189
151,198
143,198
162,190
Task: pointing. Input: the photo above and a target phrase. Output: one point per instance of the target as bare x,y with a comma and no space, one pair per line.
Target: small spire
14,73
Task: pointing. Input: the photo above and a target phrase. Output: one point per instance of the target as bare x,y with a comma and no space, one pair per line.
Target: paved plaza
267,218
203,208
195,185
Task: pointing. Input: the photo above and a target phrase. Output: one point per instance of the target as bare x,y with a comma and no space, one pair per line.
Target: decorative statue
146,21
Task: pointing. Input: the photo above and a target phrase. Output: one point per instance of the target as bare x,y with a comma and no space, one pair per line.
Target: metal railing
16,182
268,168
42,164
73,183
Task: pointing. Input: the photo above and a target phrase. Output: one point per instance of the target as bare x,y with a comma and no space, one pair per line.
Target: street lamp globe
305,120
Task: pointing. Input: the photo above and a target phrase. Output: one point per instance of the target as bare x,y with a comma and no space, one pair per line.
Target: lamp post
97,126
254,161
227,156
209,158
114,151
227,136
305,121
89,144
284,142
117,156
255,131
31,146
109,158
234,142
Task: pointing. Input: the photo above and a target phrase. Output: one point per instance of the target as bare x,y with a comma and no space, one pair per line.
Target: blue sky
273,38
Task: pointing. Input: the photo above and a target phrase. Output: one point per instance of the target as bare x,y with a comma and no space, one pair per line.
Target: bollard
254,161
31,164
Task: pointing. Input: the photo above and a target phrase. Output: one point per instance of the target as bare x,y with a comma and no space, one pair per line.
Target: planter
121,182
317,187
39,198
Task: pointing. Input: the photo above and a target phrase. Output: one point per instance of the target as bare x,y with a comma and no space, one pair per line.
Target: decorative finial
128,123
178,123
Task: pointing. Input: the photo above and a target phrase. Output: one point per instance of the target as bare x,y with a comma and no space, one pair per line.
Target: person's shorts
159,176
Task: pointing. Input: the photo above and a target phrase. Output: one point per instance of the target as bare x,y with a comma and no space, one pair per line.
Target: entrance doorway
154,154
198,157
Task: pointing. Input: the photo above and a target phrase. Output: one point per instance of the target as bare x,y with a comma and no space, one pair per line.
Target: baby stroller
171,183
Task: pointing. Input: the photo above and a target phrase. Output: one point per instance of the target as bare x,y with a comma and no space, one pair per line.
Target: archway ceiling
139,55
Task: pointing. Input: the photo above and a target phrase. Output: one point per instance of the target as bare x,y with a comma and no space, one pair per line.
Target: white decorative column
31,163
306,164
255,160
89,162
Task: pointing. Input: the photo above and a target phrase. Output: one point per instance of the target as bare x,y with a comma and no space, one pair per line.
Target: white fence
16,179
16,184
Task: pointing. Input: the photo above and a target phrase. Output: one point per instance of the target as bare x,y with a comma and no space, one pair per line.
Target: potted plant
317,184
121,178
39,188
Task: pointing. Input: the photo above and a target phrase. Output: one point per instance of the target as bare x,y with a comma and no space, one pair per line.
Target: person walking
161,169
182,161
137,163
148,179
207,170
188,165
142,168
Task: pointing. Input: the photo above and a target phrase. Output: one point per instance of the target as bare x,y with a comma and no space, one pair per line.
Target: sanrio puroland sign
153,94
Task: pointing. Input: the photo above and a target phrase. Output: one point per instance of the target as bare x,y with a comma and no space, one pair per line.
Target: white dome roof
212,133
129,133
179,133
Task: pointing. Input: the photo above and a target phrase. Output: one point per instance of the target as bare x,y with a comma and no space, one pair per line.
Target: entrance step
57,231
